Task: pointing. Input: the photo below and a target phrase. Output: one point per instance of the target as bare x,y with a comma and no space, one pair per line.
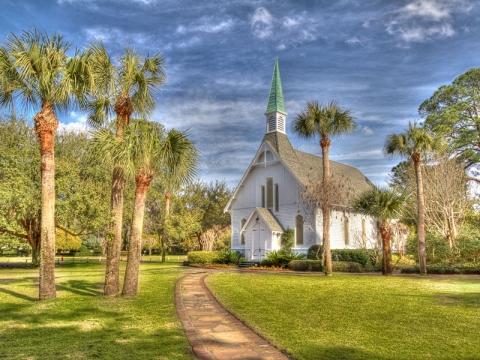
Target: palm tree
415,142
385,204
37,75
324,122
150,153
121,90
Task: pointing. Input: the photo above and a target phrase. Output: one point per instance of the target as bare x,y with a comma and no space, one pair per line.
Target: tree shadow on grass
467,300
81,287
18,295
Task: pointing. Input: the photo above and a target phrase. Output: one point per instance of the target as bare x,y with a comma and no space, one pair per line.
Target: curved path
212,331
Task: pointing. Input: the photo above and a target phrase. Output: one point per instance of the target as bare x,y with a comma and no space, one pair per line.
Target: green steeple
275,100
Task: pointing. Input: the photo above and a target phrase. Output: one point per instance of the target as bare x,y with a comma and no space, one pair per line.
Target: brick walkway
212,331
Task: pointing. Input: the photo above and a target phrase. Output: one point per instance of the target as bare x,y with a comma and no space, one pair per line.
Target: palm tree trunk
325,145
422,253
165,235
130,285
114,236
386,233
46,124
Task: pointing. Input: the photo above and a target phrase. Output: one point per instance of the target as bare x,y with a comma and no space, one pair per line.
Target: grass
358,316
82,324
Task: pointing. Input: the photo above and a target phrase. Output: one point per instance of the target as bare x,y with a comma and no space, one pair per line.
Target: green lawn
82,324
358,316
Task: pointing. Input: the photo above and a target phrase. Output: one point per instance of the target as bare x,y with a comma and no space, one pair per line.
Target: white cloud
261,23
289,22
367,131
422,20
72,127
119,37
207,24
359,155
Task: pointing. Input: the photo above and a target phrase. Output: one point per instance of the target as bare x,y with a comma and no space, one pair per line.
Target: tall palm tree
324,122
385,204
37,75
122,89
151,152
413,143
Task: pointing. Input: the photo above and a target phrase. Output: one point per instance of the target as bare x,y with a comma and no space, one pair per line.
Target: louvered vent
271,123
281,123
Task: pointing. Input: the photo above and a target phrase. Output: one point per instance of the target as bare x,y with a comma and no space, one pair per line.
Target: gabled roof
306,167
268,217
275,100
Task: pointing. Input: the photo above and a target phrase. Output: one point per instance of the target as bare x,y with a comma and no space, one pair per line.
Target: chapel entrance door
258,242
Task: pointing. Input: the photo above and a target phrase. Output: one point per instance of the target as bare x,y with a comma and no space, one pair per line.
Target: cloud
423,20
261,23
367,131
72,127
207,24
116,36
289,22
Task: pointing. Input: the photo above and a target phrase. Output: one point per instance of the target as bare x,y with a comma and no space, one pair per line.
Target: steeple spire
275,100
276,112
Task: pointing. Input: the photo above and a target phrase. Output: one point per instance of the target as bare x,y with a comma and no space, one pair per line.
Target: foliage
305,265
281,258
227,256
452,111
360,256
314,252
288,240
284,308
441,268
203,257
346,266
83,251
66,241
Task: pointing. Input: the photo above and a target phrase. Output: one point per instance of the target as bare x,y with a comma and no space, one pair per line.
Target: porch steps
247,264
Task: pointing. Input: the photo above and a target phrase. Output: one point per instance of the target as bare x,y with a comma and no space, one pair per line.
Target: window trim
299,230
276,197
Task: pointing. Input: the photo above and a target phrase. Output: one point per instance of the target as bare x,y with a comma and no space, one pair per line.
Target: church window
270,193
268,156
346,231
277,206
364,233
263,196
243,232
299,230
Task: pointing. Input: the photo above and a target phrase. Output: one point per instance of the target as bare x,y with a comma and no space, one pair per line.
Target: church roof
306,167
275,100
270,219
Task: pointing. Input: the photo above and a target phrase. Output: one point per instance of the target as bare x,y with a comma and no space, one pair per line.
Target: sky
380,59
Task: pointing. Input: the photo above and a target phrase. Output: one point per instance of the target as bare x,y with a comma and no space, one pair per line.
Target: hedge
203,257
444,269
305,265
351,255
346,266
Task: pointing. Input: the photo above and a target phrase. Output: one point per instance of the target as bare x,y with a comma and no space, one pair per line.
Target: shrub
228,256
83,251
288,240
346,266
305,265
314,252
352,255
281,258
442,268
203,257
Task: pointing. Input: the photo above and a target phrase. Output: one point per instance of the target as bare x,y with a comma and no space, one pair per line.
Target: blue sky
378,58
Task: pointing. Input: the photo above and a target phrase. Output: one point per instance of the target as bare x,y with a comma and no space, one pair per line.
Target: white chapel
267,201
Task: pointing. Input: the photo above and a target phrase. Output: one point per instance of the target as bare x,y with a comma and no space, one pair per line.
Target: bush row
214,257
467,268
316,265
360,256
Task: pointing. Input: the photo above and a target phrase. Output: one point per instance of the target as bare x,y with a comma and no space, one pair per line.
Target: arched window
346,231
242,236
364,233
299,230
268,156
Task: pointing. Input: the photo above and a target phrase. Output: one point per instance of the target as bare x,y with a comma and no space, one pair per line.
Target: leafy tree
386,204
206,202
413,143
324,122
79,191
122,88
453,111
37,74
67,241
